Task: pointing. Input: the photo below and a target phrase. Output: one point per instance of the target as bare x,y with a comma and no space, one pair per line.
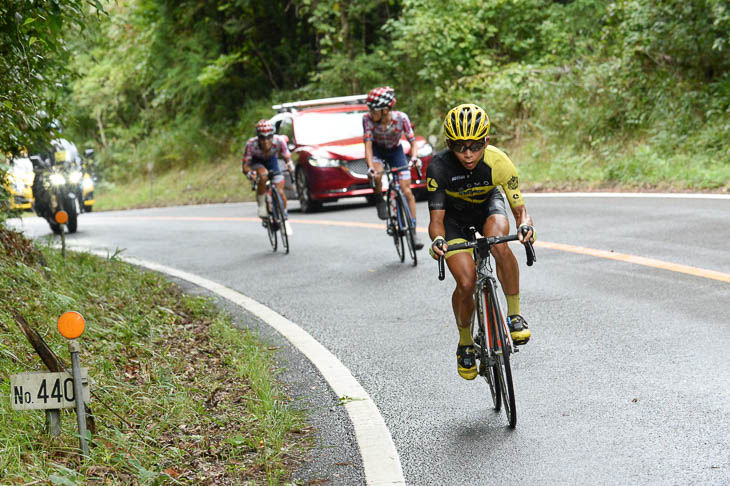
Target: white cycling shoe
262,211
289,231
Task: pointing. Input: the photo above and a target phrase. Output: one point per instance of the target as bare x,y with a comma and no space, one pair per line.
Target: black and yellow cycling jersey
464,193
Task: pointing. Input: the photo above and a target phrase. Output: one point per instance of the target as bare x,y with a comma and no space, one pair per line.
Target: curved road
626,379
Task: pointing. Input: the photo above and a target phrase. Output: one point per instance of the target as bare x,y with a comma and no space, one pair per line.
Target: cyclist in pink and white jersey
260,157
382,131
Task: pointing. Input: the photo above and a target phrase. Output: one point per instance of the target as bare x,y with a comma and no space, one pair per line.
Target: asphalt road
625,381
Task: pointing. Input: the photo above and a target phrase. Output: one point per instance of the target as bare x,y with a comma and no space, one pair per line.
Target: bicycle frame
492,340
486,294
276,213
394,186
400,219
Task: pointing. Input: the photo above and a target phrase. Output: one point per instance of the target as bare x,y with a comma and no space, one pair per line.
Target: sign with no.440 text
33,391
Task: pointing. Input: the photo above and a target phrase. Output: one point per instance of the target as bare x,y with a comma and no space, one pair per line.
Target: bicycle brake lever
530,251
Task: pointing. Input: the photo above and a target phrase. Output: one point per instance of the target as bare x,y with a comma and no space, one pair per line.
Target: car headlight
425,150
57,179
75,176
323,162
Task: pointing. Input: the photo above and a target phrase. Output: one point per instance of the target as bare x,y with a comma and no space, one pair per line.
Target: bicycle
492,340
400,221
276,216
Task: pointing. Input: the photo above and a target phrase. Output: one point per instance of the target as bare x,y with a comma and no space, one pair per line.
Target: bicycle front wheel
280,217
484,340
409,231
394,224
270,222
502,350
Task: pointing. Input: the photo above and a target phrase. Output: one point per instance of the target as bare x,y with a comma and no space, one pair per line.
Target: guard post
71,325
61,218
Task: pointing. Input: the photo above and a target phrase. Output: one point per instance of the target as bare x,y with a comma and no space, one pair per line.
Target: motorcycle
55,188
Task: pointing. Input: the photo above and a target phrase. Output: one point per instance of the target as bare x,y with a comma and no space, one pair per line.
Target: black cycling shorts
457,229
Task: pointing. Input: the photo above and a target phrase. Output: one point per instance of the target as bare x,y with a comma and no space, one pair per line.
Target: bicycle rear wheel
270,223
409,231
280,218
502,351
489,372
394,224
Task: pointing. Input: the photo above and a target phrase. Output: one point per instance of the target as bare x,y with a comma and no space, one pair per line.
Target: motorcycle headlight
323,162
19,186
75,176
425,150
57,179
88,183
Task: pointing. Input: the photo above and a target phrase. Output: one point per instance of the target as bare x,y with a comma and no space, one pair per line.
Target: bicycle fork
492,317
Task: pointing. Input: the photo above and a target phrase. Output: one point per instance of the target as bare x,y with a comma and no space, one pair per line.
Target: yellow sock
465,338
513,304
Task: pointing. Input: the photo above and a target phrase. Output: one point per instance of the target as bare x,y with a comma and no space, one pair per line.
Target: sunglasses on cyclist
266,137
460,146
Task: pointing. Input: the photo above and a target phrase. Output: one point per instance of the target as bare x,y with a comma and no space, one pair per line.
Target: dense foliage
633,88
34,69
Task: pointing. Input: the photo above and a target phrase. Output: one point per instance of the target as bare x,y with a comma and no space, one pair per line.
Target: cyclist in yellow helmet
463,183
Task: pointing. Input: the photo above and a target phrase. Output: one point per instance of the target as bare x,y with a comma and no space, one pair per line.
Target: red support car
325,137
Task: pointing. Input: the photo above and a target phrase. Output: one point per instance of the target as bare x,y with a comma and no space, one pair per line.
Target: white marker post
71,325
56,390
61,218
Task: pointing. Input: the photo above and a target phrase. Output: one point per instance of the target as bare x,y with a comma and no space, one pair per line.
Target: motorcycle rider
46,155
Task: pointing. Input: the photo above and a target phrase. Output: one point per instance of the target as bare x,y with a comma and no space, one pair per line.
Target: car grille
358,166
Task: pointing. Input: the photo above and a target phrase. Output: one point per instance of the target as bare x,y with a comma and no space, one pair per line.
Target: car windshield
321,128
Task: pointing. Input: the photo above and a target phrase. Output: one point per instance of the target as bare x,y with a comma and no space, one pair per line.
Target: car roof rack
323,101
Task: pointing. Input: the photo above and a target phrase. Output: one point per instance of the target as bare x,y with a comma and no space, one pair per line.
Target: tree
33,67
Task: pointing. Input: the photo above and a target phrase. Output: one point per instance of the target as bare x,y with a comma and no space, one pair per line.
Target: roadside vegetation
180,396
626,95
620,95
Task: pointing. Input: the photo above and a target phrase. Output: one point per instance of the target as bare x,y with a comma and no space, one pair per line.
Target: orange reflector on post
71,325
61,217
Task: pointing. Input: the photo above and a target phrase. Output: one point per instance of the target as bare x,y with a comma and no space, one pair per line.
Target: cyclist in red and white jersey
383,129
261,156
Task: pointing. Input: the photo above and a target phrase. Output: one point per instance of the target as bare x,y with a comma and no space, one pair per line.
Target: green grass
217,181
180,395
620,166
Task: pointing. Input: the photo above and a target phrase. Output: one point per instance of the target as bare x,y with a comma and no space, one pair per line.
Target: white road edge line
379,456
652,195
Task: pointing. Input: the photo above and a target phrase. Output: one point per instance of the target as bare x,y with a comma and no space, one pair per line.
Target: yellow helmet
466,122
